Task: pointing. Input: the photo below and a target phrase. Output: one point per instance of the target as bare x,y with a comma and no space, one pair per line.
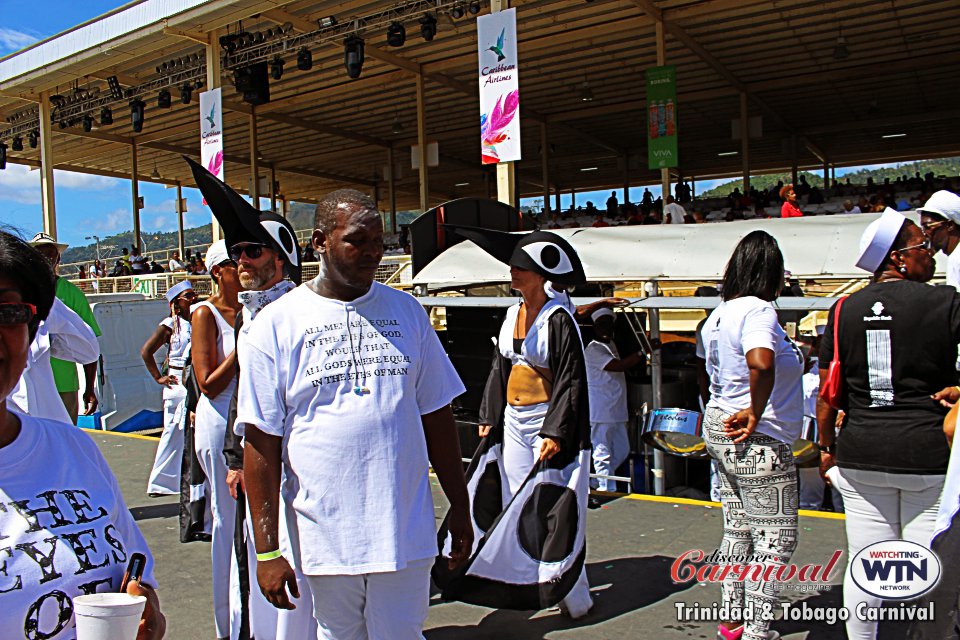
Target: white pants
165,476
812,490
882,506
208,440
521,450
611,446
372,606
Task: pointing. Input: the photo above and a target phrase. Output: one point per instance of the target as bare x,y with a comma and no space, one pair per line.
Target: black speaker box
254,83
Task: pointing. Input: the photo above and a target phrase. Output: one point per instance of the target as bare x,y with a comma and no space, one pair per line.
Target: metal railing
393,270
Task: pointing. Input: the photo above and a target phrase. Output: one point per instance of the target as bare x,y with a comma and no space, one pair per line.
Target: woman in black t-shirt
897,343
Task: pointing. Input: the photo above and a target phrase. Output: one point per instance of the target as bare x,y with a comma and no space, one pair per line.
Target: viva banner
211,132
662,117
499,87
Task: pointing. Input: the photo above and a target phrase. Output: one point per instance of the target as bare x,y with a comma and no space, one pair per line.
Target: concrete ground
632,543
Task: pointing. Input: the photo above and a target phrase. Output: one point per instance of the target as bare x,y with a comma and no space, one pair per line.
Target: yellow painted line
120,435
828,515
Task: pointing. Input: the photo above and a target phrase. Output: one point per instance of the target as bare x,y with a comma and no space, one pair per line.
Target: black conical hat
542,252
242,222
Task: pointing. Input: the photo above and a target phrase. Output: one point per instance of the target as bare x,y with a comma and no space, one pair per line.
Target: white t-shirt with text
730,332
64,529
607,389
345,385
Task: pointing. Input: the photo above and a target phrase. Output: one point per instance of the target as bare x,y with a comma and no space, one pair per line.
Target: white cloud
13,40
20,183
115,221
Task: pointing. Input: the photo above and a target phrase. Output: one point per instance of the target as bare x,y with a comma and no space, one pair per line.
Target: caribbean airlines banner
499,87
662,117
211,132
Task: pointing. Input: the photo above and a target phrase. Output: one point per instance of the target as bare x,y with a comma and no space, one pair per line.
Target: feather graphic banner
499,87
211,132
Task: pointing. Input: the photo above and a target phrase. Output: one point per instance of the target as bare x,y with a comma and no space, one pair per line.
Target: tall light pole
97,238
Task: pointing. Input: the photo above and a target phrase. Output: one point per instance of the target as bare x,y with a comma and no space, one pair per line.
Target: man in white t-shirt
175,263
344,383
607,385
673,213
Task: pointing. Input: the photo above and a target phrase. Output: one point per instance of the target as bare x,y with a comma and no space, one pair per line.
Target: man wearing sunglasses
65,372
263,245
939,219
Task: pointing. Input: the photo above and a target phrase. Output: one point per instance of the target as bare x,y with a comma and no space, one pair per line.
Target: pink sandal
729,634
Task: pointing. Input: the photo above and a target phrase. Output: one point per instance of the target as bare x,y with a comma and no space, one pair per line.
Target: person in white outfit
264,246
607,384
939,218
344,400
174,332
214,363
63,335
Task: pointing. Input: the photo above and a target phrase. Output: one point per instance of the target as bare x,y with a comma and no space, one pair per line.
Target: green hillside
941,167
300,215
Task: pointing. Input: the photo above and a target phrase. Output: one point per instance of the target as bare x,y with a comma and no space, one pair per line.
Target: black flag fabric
530,555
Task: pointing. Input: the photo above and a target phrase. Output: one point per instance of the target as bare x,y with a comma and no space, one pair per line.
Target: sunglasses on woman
16,313
253,251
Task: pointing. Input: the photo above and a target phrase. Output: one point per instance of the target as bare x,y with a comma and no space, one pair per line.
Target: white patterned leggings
758,491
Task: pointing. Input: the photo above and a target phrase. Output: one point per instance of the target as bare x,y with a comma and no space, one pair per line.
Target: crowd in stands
132,262
905,193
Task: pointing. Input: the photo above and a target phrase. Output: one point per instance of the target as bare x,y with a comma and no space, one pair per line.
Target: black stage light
87,123
457,12
276,68
63,124
186,93
326,23
474,7
33,139
115,89
428,26
396,34
137,114
3,156
353,56
17,143
164,99
106,116
304,59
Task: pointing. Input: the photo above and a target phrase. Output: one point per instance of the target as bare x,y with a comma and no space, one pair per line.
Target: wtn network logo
895,569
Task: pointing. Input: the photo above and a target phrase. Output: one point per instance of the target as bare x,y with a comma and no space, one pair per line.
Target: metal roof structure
321,130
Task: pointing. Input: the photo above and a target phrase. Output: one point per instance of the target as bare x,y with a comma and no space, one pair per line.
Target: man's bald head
338,201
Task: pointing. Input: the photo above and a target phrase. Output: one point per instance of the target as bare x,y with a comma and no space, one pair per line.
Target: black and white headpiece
242,222
542,252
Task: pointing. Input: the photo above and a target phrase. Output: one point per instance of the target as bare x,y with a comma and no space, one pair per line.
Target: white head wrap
216,254
945,204
877,239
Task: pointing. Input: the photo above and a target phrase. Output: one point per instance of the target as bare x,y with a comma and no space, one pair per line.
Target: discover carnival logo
895,569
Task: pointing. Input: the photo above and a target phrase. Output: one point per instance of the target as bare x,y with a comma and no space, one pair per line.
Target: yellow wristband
269,555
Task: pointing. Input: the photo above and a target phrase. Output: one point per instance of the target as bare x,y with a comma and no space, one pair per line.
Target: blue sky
88,205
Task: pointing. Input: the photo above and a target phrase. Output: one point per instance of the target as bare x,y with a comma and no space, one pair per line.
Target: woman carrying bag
897,349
